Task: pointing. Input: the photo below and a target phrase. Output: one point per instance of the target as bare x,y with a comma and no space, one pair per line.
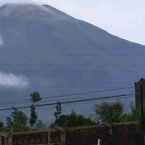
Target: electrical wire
67,102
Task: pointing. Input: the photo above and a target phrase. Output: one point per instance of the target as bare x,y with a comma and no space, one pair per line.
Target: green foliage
33,116
40,124
134,115
9,122
58,112
1,125
17,121
113,113
73,120
35,97
109,113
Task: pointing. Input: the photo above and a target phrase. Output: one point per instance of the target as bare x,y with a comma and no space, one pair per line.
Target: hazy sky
125,18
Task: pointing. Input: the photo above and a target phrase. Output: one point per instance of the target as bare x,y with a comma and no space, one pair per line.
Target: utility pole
58,110
141,103
142,121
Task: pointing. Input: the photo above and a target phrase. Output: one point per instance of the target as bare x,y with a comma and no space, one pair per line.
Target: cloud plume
10,80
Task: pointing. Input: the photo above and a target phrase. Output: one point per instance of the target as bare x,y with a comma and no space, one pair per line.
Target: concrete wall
118,134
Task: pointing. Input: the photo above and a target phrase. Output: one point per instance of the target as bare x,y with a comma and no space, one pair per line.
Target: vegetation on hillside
73,120
105,113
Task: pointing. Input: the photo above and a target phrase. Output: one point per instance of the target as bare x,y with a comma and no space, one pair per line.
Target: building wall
30,138
113,135
122,134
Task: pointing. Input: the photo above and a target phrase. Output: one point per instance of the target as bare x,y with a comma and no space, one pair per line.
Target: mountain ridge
58,54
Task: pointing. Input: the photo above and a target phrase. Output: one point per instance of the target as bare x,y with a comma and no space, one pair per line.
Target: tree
73,120
17,121
40,124
58,112
35,97
1,125
109,113
33,116
134,115
9,123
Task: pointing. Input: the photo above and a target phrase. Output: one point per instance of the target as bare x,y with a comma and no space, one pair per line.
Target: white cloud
1,40
10,80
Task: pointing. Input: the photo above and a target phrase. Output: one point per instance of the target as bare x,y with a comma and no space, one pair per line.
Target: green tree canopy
109,113
17,121
73,120
132,116
33,116
40,124
1,125
35,97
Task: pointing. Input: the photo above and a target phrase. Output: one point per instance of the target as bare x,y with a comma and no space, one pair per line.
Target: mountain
44,49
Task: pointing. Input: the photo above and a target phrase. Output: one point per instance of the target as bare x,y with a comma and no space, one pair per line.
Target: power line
66,102
88,93
74,95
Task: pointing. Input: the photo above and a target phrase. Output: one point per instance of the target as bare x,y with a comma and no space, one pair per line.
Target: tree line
105,113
